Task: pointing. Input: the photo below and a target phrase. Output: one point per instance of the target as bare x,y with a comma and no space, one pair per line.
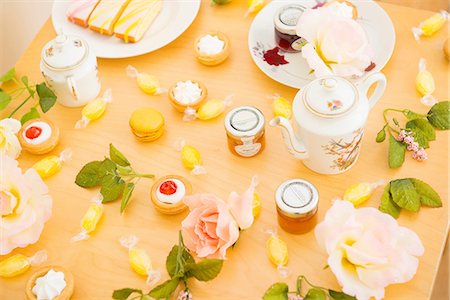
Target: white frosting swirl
187,92
175,197
49,286
46,133
210,45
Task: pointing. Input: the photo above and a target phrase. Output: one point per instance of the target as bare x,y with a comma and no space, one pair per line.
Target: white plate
296,73
175,17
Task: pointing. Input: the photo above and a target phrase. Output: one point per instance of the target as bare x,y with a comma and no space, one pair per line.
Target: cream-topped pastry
106,14
37,133
79,11
49,286
210,45
171,191
136,19
38,136
187,92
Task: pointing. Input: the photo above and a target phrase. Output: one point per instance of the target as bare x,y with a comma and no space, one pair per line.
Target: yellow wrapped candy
190,157
149,84
254,6
51,165
431,25
139,260
277,252
90,219
281,107
18,264
94,109
425,84
213,108
361,192
256,205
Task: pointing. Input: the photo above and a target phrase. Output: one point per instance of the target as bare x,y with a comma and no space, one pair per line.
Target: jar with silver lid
297,202
285,22
245,127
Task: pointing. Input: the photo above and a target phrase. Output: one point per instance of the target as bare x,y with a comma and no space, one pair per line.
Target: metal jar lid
244,121
297,198
286,18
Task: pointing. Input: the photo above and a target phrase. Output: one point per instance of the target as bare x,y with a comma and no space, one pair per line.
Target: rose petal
314,61
242,206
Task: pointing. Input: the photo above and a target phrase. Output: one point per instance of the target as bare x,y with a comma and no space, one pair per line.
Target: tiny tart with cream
50,283
187,94
39,136
168,192
212,48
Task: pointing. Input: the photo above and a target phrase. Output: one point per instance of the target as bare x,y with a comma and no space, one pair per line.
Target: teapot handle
378,78
72,86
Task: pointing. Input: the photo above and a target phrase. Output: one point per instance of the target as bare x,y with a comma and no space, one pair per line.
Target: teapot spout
294,146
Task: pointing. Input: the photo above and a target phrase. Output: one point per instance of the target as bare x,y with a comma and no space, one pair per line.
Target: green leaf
107,167
206,269
112,187
172,258
5,99
117,156
404,194
335,295
123,294
46,97
165,289
381,135
396,153
439,115
387,204
89,175
316,294
8,75
128,190
428,196
422,131
277,291
24,79
32,114
410,115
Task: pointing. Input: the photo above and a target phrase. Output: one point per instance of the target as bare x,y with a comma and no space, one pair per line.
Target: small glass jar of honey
297,203
285,22
245,131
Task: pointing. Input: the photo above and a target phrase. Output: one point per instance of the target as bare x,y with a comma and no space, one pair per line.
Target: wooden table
100,264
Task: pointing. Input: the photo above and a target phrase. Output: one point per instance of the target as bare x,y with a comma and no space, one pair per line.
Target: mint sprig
280,291
46,101
114,175
421,126
180,266
410,194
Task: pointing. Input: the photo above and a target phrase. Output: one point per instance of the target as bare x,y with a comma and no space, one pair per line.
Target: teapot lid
64,52
330,96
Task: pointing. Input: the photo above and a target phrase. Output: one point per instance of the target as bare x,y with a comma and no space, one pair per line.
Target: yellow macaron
147,124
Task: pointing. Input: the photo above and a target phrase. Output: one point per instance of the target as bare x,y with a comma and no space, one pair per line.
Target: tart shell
166,208
195,105
215,59
43,147
66,293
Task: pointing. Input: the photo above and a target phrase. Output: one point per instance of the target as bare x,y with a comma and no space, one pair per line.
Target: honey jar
297,204
285,22
245,131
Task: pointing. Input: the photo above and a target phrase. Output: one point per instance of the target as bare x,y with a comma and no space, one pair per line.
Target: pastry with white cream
168,193
38,136
50,283
212,48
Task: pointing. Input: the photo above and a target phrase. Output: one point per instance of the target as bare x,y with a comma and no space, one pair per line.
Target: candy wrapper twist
51,165
361,192
18,264
425,84
190,157
94,110
281,106
209,110
431,25
90,219
277,252
139,260
149,84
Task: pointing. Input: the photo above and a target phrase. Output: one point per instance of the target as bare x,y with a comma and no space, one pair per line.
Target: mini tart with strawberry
168,192
39,136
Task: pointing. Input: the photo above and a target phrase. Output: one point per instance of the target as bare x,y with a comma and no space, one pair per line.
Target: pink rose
213,225
209,229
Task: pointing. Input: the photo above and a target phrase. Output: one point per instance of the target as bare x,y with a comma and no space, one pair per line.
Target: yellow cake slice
136,19
106,14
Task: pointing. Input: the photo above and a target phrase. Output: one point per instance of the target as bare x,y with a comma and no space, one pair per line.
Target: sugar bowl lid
297,198
64,52
330,96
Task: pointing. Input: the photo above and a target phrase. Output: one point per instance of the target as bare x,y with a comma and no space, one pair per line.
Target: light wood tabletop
100,265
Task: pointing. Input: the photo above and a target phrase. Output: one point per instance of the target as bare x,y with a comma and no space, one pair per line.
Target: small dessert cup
213,59
181,107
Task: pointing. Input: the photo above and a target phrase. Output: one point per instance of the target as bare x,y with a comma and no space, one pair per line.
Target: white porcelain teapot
70,69
329,118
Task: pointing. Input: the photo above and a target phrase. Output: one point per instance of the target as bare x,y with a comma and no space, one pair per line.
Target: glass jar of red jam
297,202
245,131
285,21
